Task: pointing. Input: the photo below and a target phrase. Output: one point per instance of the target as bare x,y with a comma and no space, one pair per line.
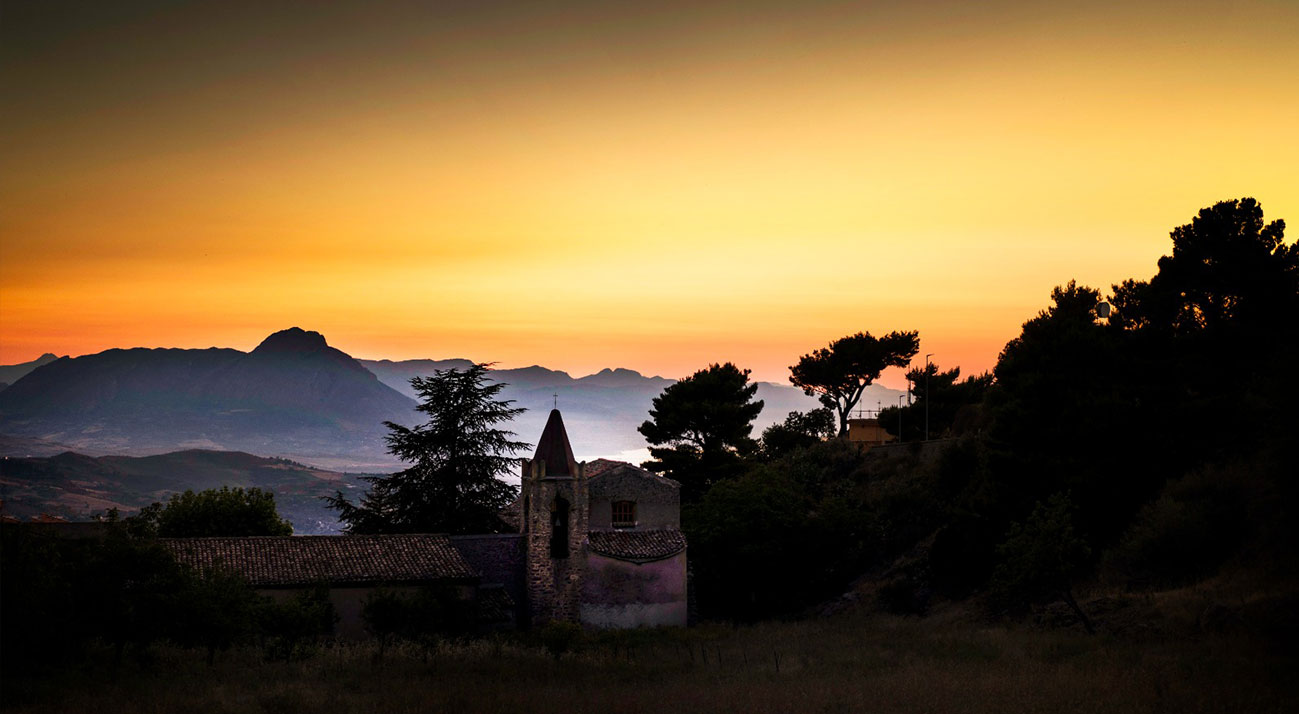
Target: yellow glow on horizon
741,192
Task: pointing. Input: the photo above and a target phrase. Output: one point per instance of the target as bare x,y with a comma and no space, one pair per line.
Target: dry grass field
854,662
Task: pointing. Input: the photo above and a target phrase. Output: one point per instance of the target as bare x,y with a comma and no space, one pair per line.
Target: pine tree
456,457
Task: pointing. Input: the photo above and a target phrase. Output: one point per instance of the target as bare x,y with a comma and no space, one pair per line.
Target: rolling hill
76,486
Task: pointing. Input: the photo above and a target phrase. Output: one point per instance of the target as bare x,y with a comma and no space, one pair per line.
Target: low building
868,432
349,568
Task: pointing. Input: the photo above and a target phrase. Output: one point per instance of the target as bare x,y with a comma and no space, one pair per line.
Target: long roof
304,560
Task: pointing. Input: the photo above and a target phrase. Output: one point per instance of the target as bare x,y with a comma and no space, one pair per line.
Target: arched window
559,528
624,514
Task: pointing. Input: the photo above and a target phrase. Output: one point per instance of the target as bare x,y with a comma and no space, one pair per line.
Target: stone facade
555,510
657,500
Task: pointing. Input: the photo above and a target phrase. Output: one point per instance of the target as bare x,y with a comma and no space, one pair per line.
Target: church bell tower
555,512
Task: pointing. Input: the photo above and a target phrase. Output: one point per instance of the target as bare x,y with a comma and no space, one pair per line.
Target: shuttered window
624,514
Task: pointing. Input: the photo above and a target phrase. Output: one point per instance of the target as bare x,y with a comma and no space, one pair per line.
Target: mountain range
295,396
11,373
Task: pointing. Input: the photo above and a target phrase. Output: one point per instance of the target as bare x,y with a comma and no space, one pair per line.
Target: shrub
423,616
1187,533
290,627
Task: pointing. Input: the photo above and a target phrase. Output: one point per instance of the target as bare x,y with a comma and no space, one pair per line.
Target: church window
624,514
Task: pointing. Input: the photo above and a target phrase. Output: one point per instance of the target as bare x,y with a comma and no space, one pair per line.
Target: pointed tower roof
554,449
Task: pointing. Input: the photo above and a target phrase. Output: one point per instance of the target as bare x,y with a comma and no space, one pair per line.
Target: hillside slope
76,486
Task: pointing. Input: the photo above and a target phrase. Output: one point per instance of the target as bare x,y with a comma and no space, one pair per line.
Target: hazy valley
311,415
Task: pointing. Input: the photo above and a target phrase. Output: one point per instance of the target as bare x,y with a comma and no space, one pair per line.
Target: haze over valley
302,413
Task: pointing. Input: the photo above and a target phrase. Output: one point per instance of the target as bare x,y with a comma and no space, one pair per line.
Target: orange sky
596,184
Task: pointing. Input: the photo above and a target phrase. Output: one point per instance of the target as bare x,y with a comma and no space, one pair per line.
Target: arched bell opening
559,511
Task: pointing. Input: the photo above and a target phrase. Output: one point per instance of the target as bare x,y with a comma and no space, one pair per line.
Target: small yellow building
868,432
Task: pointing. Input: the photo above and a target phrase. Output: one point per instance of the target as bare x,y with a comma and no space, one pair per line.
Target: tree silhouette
799,430
214,512
700,426
939,396
839,373
457,456
1228,269
1042,557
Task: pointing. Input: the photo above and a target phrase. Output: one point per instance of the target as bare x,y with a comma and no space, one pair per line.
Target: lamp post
927,395
900,398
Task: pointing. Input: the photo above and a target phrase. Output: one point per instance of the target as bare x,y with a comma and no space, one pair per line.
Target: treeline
1139,439
123,589
117,585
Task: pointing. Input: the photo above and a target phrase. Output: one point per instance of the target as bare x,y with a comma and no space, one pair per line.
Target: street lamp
900,398
927,395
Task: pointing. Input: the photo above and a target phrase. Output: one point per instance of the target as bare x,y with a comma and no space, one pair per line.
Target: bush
290,627
1187,533
423,616
1041,558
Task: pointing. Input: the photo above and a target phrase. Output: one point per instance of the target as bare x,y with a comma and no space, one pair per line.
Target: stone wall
658,503
554,584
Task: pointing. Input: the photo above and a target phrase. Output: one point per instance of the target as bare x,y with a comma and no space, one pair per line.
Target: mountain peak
294,339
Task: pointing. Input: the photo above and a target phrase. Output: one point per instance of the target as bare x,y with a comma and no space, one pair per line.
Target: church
602,540
596,543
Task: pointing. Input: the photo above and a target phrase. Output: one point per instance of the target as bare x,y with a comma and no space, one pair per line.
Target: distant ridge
11,373
603,410
293,395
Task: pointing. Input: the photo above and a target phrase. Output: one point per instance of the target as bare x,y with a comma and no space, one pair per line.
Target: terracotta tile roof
305,560
608,467
637,546
599,466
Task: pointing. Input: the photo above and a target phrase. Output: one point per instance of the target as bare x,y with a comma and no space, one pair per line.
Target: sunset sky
650,185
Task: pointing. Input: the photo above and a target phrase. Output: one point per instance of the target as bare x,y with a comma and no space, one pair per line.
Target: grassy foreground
850,663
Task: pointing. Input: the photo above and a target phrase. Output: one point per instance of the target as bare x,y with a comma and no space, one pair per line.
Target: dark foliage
791,532
1041,558
1198,521
799,430
457,457
699,428
423,616
839,373
1188,370
62,594
211,513
941,399
290,627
